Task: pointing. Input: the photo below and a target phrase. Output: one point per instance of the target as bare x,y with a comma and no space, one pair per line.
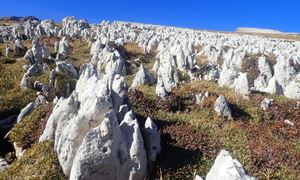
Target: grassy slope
254,137
250,137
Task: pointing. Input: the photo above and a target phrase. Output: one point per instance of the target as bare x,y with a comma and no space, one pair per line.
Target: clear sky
224,15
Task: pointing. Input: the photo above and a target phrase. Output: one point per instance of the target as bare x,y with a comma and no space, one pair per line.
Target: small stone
266,103
288,122
222,107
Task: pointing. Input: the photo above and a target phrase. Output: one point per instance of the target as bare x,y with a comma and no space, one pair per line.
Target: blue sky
224,15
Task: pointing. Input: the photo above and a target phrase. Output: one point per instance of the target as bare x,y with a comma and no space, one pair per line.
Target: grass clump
44,78
39,162
12,97
64,83
15,100
80,52
26,131
235,140
183,76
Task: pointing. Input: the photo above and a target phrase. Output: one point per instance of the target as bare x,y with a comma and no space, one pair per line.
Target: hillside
123,100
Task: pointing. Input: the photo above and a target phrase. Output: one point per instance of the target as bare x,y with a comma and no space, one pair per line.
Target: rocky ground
133,101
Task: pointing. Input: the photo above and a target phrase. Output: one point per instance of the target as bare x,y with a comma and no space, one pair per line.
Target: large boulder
135,143
103,153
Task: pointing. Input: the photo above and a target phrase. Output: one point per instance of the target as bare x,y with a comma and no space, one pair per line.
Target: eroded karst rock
227,168
222,107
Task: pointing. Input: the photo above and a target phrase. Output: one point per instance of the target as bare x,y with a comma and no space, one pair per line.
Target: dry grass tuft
39,162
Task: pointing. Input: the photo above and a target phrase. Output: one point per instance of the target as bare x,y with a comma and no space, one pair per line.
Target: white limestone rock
160,89
241,84
261,83
90,114
227,168
134,140
64,47
25,111
222,107
56,46
25,82
109,61
63,110
227,77
118,91
265,68
67,68
293,89
211,73
142,77
123,109
274,87
288,122
167,72
72,118
266,103
35,70
201,97
152,140
46,54
284,71
96,47
103,153
37,51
